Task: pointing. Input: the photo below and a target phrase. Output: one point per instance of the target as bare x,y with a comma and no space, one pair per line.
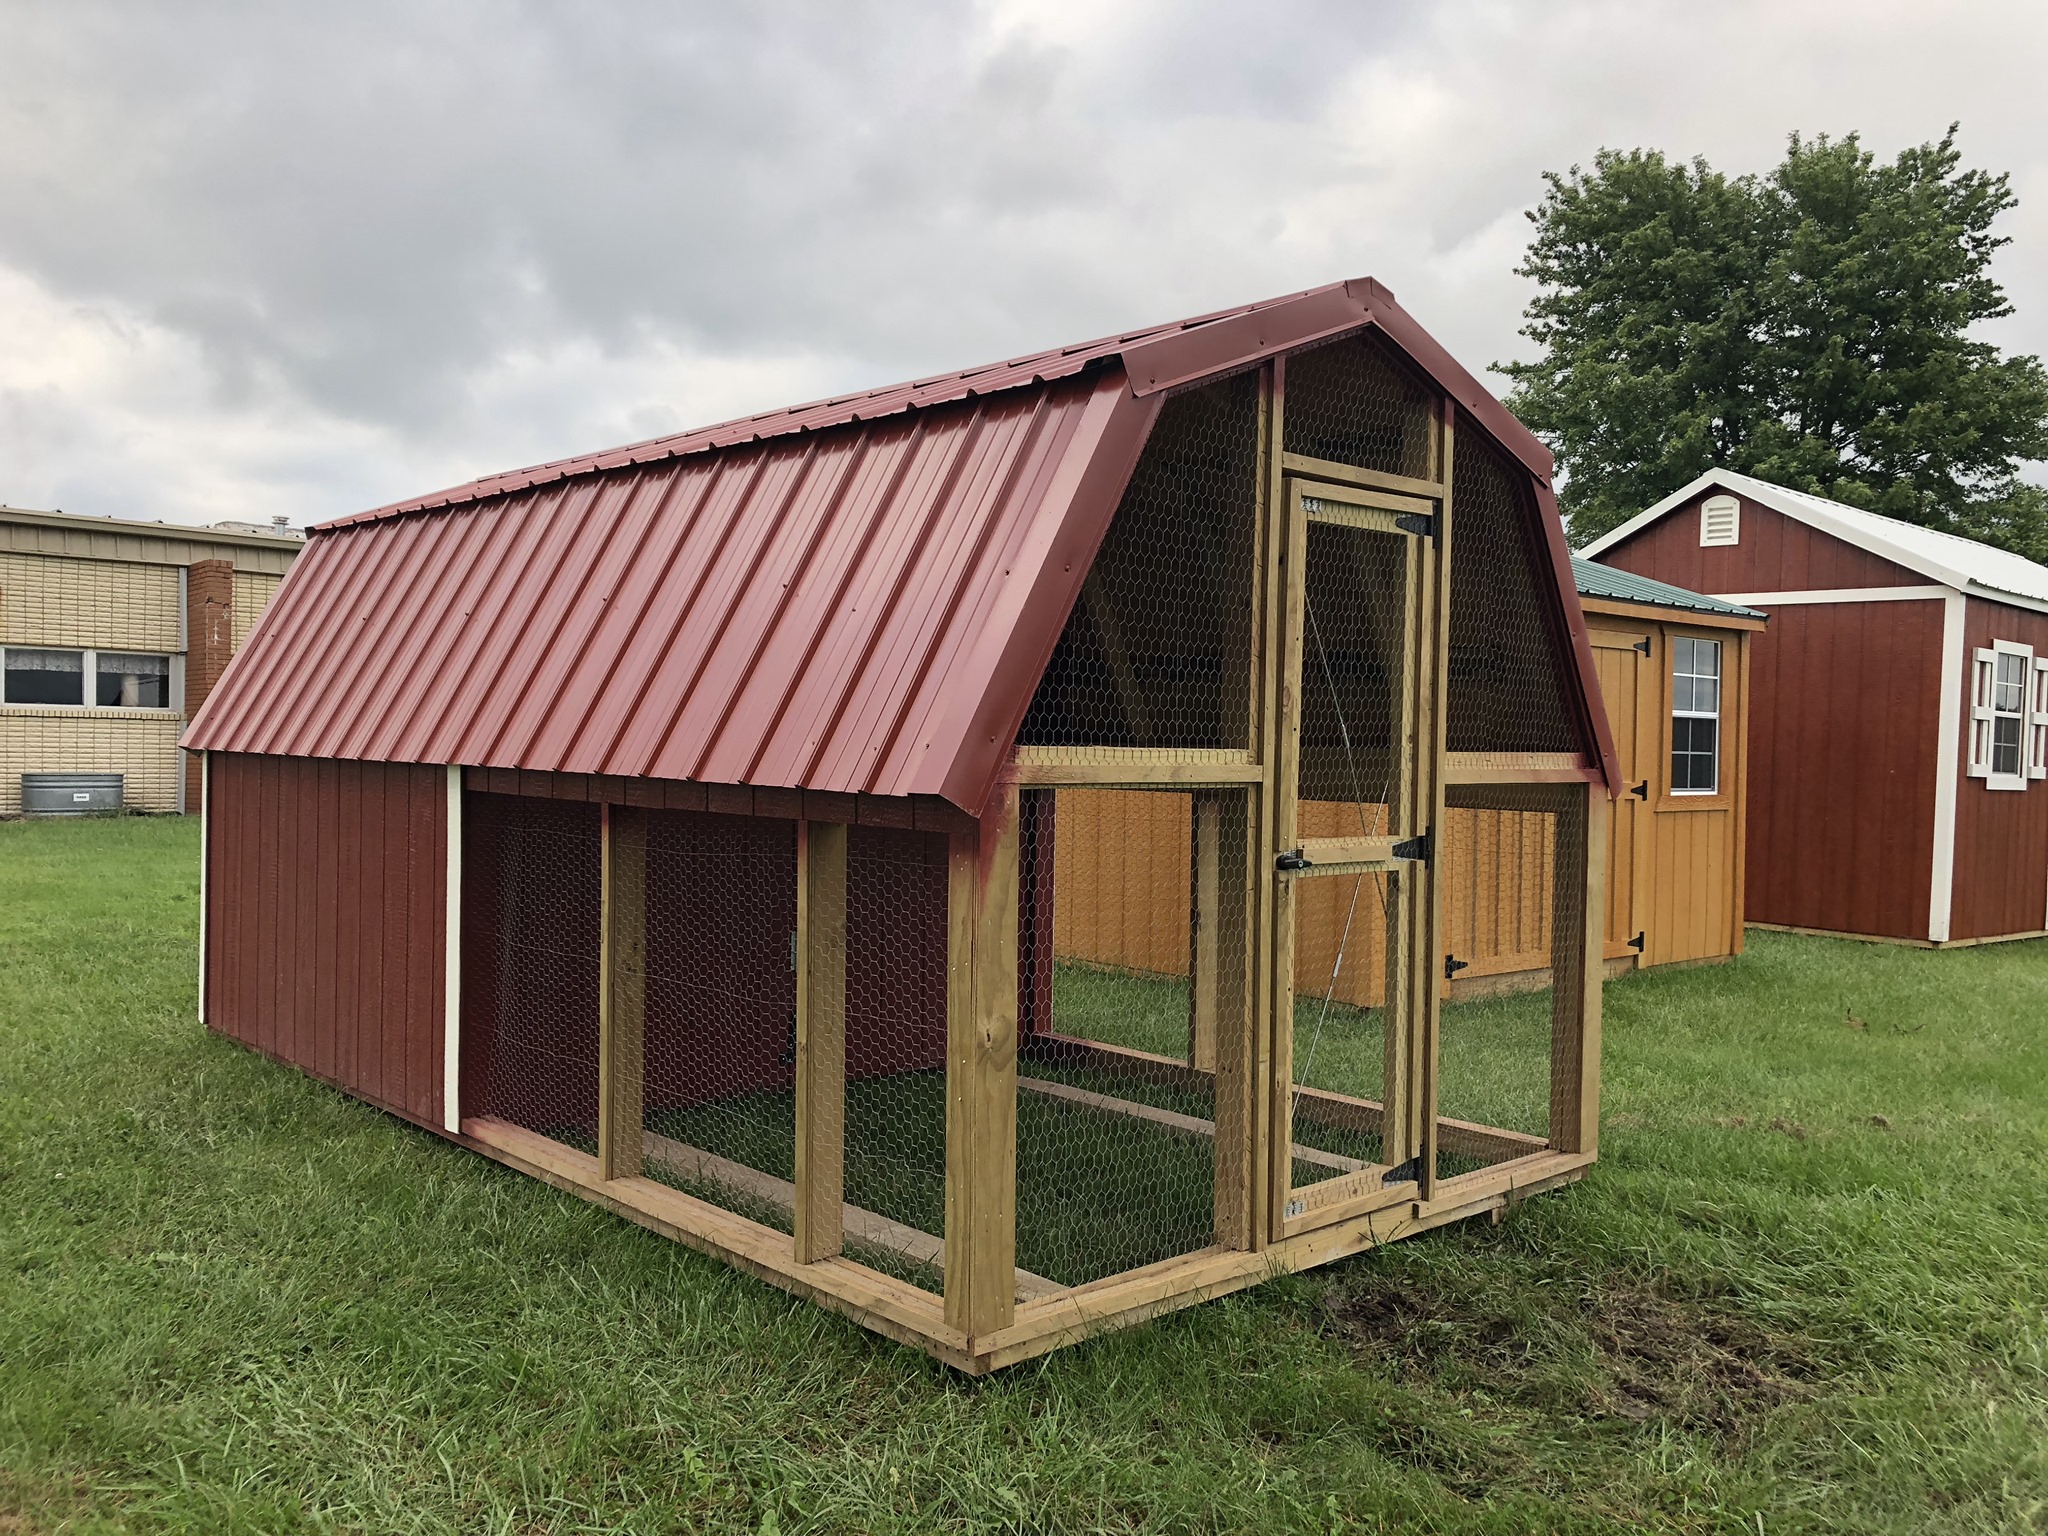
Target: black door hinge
1643,645
788,1056
1409,1172
1291,861
1422,524
1636,943
1640,791
1415,849
1452,967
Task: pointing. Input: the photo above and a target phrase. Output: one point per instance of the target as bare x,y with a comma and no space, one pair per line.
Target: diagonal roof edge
1156,358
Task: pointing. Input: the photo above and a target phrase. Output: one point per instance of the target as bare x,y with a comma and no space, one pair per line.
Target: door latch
1289,862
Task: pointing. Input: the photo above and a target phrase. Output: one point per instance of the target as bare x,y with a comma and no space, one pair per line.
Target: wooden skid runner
1045,1321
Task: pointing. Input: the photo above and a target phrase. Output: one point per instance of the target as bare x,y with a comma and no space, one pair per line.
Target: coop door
1359,634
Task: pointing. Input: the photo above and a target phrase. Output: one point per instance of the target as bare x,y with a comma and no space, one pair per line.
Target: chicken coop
975,854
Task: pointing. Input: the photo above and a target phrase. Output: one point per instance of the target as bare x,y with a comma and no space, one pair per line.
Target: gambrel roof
858,595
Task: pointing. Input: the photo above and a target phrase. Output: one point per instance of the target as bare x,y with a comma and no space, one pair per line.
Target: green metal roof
1596,580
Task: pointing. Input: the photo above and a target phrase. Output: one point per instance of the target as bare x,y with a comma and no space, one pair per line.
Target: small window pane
1694,755
45,677
133,682
2005,744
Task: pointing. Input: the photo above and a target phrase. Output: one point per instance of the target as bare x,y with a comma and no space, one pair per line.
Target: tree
1811,327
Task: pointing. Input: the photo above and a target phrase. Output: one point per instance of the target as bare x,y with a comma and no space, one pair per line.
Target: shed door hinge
1421,524
1640,791
1643,645
1409,1172
1414,849
1636,943
1452,967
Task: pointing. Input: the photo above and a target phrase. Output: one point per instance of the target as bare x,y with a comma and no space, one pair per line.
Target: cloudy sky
301,259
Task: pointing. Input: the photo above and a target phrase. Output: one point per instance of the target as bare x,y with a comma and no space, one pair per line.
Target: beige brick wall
108,604
91,741
253,592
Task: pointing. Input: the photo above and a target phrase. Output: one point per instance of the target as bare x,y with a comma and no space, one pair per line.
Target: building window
110,679
1695,716
126,681
45,677
2008,716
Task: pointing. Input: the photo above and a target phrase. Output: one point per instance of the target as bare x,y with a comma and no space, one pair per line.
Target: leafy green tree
1812,327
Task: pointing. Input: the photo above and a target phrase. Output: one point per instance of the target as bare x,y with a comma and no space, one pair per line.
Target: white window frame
2032,715
88,688
1714,714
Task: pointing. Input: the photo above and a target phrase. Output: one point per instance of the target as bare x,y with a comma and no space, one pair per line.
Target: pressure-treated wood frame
1240,964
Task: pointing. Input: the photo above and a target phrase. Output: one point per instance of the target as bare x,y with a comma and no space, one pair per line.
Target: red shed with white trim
1898,710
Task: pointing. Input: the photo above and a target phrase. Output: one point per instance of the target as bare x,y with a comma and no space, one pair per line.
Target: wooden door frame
1305,494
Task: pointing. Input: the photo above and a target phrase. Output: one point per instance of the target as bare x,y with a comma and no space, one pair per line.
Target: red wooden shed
677,824
1898,710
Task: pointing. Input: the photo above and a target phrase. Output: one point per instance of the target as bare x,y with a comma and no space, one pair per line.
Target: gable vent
1720,521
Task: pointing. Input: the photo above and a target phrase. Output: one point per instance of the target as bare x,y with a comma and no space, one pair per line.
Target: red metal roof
856,595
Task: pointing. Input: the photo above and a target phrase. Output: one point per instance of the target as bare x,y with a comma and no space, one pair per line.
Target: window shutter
1983,673
2037,721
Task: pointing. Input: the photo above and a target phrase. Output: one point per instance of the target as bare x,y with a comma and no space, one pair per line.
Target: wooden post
1204,875
622,993
1229,814
1432,741
820,1039
1578,967
981,1070
1269,674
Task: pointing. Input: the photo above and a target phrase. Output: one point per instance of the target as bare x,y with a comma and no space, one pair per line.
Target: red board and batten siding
2001,882
1843,703
1776,554
326,920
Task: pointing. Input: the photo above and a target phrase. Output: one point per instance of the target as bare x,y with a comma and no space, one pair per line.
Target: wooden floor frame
991,1314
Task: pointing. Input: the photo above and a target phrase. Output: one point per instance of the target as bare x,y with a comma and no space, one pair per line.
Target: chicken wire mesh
895,1094
1509,687
1157,651
1512,902
1116,1093
1354,401
531,906
1357,693
719,1067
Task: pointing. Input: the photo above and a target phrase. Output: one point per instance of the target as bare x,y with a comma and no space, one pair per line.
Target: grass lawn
1806,1289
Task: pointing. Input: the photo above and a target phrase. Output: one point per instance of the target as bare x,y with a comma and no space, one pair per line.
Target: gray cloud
291,258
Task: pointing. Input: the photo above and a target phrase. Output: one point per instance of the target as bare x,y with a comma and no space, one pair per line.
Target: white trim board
205,858
1978,569
1948,749
451,963
1834,595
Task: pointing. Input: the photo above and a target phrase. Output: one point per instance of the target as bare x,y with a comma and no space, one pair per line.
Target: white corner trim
451,963
205,858
1834,595
1948,749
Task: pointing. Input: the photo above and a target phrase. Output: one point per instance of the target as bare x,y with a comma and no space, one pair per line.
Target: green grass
1806,1289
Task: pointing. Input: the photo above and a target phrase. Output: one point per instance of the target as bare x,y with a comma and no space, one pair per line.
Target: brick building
112,634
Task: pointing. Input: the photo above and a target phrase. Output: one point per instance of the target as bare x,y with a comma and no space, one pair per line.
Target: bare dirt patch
1630,1353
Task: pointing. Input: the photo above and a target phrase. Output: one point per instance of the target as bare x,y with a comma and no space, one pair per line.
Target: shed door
1622,659
1357,638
